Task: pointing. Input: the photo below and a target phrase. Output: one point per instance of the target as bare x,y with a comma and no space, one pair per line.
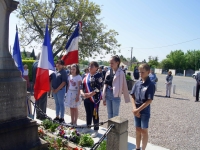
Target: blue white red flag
71,55
46,63
17,55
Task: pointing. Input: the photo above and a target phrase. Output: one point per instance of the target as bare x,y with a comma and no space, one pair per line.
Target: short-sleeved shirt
143,92
58,77
90,83
73,82
153,77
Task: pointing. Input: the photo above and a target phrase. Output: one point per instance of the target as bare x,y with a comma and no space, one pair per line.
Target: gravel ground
174,122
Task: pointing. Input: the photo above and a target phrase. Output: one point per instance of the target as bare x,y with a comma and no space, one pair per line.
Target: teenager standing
114,85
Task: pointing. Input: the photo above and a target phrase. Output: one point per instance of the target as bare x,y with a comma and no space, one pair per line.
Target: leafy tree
144,61
24,53
33,54
63,16
192,59
105,63
177,59
122,58
166,64
84,62
153,63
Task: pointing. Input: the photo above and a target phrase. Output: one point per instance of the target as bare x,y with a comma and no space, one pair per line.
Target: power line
166,45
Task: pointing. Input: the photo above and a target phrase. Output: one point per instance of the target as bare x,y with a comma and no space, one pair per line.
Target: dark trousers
197,91
42,104
89,109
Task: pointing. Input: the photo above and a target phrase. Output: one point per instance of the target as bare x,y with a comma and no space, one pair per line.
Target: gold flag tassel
95,113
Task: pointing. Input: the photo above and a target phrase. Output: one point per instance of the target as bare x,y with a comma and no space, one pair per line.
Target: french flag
16,54
71,56
46,63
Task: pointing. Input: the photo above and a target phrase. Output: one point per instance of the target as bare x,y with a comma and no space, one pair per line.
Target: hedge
29,63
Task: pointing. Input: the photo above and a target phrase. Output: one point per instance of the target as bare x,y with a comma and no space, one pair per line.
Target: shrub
128,77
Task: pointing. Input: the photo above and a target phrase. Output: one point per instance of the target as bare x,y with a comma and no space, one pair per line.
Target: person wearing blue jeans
112,103
59,80
59,101
115,84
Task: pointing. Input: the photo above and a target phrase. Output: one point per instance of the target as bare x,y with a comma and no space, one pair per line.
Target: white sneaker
94,134
85,130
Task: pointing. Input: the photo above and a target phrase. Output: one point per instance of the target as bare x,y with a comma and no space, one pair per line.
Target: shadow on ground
172,97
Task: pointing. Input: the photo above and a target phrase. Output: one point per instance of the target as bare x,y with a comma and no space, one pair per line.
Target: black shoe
169,96
38,117
196,100
56,119
166,96
61,120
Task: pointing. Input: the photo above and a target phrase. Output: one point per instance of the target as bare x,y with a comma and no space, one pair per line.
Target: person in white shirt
73,99
25,76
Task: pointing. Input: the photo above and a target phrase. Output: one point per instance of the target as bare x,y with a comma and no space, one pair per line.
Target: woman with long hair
115,84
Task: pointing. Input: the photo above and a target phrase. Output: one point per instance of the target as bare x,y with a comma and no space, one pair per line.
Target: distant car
195,74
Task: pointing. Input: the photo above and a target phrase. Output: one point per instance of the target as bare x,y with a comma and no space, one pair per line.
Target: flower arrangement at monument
63,138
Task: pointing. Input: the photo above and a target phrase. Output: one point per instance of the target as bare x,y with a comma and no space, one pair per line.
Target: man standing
42,101
197,86
136,73
153,77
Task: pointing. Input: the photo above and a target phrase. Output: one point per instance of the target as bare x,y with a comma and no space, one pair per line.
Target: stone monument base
21,134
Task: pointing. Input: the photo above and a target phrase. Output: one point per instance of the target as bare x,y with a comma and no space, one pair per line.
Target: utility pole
131,55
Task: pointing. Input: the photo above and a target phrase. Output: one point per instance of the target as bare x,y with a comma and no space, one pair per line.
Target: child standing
73,93
142,95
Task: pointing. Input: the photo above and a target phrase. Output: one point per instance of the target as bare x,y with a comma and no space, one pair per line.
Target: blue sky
148,24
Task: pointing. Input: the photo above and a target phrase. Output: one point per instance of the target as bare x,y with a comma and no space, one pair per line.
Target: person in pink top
114,86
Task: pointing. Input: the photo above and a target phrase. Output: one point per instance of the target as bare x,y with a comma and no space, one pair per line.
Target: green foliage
84,62
30,64
131,68
24,53
177,59
105,63
122,58
47,123
56,58
32,55
59,142
153,63
128,77
86,140
192,59
63,16
53,127
102,146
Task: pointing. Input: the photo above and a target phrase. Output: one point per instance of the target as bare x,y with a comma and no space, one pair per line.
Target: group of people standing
69,88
